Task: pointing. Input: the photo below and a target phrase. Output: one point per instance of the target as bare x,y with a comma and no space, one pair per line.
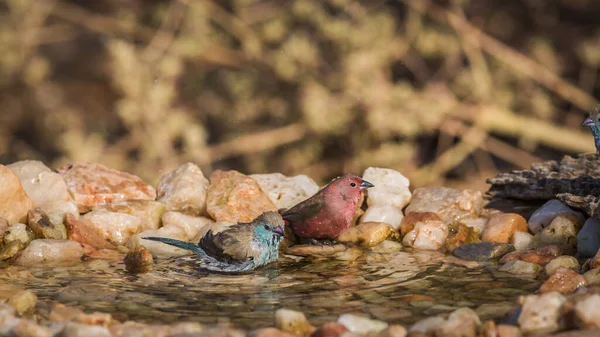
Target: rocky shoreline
84,212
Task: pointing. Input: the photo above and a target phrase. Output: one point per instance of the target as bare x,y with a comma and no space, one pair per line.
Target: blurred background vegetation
447,92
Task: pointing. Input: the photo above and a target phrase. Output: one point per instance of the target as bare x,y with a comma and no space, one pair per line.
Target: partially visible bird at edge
239,248
593,122
321,218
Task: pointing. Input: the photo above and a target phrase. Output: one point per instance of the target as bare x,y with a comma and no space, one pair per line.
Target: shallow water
396,287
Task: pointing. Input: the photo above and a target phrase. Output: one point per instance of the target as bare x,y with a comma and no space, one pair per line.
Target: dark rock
139,260
482,251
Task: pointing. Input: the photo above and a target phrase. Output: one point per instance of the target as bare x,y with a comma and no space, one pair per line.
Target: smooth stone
522,240
410,220
562,261
14,201
234,197
477,224
564,281
23,301
93,185
542,218
150,212
293,322
426,326
502,226
47,189
81,330
541,256
562,232
114,227
460,235
360,324
461,322
541,313
27,328
9,250
48,252
588,239
391,187
388,214
427,236
520,267
330,329
587,313
139,261
367,234
86,234
184,190
263,332
482,251
449,204
193,227
42,227
505,330
286,192
160,249
592,276
395,330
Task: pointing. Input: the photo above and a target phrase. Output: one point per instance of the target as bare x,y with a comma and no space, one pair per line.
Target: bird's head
593,122
268,228
350,186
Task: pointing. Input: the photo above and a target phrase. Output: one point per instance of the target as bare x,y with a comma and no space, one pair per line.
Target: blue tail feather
179,244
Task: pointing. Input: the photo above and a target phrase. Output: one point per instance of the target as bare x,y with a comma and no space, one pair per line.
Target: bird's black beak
278,230
588,122
365,184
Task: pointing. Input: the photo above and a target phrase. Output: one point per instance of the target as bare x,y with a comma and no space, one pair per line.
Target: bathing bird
240,247
593,122
321,218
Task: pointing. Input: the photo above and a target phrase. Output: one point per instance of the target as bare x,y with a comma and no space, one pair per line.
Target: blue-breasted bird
240,247
593,122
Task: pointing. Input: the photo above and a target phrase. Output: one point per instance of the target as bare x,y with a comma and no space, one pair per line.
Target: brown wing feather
232,245
306,209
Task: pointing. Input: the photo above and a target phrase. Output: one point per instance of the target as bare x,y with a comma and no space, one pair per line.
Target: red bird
325,215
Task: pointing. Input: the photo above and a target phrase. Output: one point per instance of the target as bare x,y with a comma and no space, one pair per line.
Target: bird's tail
179,244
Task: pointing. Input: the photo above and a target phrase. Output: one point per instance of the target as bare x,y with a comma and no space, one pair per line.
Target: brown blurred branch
507,55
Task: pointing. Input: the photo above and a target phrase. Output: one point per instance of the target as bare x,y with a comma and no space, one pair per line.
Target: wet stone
14,201
23,301
562,261
184,190
541,313
588,239
286,192
139,261
521,267
315,250
43,228
502,226
449,204
592,276
27,328
92,185
410,220
330,329
542,218
388,214
293,322
47,252
235,197
367,234
541,256
429,235
561,232
522,240
18,232
587,313
148,211
482,251
460,235
564,281
361,324
9,250
426,326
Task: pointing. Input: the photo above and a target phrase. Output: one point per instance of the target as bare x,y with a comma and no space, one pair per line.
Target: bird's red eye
267,227
353,184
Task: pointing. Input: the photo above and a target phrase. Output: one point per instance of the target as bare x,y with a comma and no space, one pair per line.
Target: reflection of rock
94,185
315,250
482,251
